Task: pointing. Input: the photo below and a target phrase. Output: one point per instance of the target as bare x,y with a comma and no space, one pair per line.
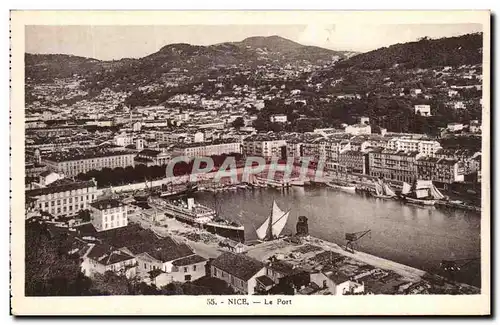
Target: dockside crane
353,237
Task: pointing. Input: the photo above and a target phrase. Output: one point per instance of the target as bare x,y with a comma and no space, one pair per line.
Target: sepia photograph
251,165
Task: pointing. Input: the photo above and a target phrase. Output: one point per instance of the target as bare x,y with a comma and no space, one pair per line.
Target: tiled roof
106,255
106,204
265,280
149,152
238,265
169,250
60,188
189,260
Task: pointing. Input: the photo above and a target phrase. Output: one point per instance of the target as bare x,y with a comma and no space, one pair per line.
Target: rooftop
90,154
189,260
265,280
106,255
203,144
106,204
238,265
149,152
58,188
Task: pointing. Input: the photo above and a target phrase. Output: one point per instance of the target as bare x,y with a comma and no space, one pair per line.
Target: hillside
425,53
194,61
46,67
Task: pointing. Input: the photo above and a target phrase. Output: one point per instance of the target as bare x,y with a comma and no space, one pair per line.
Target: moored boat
297,182
272,227
383,191
204,217
421,193
345,187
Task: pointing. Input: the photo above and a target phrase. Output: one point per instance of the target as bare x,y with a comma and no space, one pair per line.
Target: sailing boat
342,185
274,224
383,190
422,192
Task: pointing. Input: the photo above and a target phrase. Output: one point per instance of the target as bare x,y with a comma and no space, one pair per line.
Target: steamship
201,216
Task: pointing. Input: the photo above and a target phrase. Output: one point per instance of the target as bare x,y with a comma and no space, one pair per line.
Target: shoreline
208,247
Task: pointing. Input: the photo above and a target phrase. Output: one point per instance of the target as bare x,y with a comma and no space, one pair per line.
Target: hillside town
98,189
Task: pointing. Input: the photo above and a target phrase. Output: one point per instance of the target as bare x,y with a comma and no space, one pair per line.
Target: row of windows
64,209
112,217
68,193
69,200
112,225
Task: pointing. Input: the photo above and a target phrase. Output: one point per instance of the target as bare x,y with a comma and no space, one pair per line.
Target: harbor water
413,235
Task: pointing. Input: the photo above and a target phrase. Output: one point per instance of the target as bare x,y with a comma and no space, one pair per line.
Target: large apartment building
264,145
64,198
393,164
425,147
108,214
441,170
354,161
73,164
205,149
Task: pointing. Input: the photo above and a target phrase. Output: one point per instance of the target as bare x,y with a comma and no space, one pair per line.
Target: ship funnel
190,202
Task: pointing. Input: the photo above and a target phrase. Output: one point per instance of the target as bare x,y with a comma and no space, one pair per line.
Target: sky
116,42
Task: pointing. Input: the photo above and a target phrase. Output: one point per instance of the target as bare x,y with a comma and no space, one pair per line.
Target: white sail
279,224
378,189
277,221
436,193
406,188
421,193
388,190
262,231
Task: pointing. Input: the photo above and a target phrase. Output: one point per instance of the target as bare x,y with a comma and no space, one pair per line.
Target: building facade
239,271
441,170
354,161
72,165
64,200
264,146
392,164
108,214
206,149
425,147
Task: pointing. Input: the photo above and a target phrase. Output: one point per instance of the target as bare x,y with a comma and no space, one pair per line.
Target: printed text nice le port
247,302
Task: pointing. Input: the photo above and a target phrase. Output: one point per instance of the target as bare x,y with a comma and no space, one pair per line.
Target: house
239,271
150,157
337,283
233,246
455,127
102,258
358,129
278,118
475,126
108,214
158,255
184,269
282,278
48,177
424,110
415,92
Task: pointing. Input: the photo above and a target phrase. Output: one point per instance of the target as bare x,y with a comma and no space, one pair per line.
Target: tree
238,123
49,270
110,283
84,215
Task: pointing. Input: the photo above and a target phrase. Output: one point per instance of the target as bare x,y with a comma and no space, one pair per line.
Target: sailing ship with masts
383,190
272,227
344,186
421,192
